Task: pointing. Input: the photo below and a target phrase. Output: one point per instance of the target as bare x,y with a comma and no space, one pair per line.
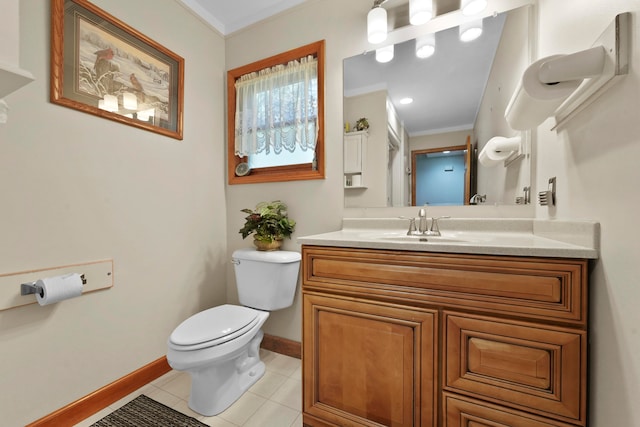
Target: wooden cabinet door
353,150
368,364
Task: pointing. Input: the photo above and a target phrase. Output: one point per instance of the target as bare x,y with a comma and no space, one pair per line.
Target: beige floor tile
272,414
274,401
164,397
217,422
297,422
183,406
289,394
297,374
283,365
180,386
128,398
266,355
93,418
268,384
160,381
243,408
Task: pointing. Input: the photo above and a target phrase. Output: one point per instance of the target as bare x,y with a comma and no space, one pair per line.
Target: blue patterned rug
146,412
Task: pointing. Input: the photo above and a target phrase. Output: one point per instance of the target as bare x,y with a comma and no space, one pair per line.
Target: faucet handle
412,225
435,229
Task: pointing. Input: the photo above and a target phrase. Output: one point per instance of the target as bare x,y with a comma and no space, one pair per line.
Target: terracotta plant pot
267,246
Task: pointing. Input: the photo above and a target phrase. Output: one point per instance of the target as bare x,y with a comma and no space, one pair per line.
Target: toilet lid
214,326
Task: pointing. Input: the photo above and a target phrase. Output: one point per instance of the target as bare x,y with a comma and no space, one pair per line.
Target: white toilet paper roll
534,101
498,149
59,288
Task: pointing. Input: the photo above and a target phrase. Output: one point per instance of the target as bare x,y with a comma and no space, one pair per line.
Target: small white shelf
12,79
355,159
355,187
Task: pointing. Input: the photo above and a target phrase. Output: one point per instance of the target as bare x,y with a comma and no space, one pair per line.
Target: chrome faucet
422,214
477,198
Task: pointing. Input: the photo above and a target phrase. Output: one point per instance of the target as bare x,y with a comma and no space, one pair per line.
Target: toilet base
215,388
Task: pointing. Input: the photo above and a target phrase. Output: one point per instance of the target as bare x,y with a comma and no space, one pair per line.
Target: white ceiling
228,16
447,88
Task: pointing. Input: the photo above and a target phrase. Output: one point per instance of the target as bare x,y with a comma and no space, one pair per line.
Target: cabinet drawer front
524,287
527,366
368,364
460,411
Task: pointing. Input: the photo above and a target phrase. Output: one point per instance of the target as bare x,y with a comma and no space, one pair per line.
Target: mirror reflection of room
419,107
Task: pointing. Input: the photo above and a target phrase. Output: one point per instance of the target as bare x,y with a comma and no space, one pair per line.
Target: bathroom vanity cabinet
408,338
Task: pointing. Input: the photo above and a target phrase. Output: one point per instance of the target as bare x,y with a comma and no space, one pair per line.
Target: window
275,113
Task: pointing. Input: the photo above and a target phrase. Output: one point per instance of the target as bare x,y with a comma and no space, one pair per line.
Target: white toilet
219,347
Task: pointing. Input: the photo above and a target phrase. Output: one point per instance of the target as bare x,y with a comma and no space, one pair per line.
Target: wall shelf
12,79
355,159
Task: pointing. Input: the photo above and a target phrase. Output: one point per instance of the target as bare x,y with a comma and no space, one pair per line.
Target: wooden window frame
276,173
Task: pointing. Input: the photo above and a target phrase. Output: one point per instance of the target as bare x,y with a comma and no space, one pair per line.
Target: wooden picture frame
102,66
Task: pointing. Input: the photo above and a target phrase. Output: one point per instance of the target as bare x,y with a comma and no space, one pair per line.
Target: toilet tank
266,280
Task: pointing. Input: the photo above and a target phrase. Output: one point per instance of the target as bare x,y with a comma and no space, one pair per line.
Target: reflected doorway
441,176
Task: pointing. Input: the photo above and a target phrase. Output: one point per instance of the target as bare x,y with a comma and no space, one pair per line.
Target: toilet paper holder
33,288
563,85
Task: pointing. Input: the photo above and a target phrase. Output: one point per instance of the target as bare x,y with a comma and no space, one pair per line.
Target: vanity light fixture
377,23
426,45
406,101
420,11
109,103
384,54
470,30
129,101
472,7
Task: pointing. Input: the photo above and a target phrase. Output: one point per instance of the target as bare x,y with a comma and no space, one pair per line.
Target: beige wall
595,160
373,106
503,184
448,139
77,188
158,206
317,206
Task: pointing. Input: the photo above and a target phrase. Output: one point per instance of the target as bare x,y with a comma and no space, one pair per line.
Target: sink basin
426,239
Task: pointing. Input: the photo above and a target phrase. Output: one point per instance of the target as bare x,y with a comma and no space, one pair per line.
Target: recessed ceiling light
405,101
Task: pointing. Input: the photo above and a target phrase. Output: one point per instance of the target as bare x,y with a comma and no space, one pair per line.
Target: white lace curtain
277,108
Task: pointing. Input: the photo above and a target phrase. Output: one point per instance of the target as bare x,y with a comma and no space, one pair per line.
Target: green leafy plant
269,221
362,124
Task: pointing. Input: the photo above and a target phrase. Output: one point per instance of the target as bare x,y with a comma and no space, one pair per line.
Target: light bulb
129,101
109,103
377,25
384,54
472,7
420,11
470,30
426,46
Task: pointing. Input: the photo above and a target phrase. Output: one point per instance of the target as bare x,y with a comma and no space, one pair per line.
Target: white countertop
519,237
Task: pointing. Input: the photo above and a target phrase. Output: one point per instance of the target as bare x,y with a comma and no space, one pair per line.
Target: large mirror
426,151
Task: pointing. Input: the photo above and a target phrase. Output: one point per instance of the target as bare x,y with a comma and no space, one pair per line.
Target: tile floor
274,401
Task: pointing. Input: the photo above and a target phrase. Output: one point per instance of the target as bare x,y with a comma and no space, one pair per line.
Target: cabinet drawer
532,288
531,367
460,411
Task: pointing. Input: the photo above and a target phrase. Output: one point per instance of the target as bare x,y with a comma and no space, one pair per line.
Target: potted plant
269,223
362,124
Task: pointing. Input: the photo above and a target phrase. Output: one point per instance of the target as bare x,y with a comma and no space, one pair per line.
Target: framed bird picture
102,66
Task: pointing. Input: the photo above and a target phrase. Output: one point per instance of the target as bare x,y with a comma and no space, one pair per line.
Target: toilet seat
213,327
